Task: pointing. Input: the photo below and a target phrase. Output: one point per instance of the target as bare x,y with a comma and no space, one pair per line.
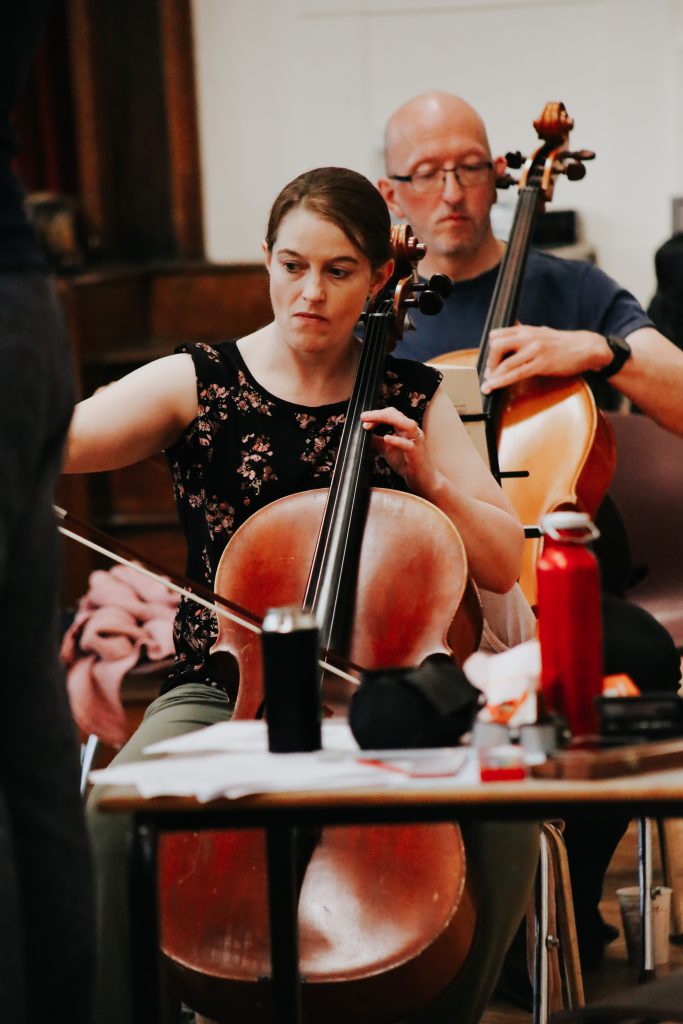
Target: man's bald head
433,114
431,139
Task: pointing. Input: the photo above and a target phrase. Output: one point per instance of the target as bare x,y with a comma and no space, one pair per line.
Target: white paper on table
245,736
209,776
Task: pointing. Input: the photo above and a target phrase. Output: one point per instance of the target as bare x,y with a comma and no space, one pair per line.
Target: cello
378,941
548,443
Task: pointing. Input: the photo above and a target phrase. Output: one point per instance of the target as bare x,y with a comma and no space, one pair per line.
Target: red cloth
124,617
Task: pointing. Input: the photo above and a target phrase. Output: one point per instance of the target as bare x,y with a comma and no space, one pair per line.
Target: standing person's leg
40,782
47,969
184,709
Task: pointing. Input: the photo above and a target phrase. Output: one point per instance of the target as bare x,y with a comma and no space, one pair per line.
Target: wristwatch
621,350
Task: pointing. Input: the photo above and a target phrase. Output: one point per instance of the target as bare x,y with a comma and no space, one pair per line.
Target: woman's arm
134,417
442,465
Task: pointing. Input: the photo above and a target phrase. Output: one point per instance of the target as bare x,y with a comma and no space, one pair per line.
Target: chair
556,956
648,491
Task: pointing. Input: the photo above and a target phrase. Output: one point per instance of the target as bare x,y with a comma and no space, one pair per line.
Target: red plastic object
501,764
511,774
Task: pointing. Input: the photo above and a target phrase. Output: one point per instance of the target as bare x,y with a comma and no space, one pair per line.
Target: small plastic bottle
569,620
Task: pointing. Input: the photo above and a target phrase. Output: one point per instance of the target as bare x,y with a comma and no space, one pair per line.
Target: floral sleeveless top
246,449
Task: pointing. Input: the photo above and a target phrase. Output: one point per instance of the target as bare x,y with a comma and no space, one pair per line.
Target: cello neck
332,580
536,188
331,586
505,302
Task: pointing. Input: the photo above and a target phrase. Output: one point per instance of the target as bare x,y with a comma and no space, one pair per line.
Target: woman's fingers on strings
390,422
405,444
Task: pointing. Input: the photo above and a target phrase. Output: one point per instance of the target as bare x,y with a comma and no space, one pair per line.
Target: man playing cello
441,177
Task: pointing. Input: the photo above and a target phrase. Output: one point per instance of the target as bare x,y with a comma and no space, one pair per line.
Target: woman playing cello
244,424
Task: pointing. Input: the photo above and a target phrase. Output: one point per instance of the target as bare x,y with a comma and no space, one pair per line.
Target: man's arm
652,377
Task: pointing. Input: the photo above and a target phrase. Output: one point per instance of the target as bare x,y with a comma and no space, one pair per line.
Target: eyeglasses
466,175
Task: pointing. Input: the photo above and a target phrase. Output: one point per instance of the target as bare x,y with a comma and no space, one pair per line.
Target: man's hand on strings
519,352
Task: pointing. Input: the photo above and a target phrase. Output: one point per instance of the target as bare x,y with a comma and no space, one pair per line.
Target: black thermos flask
291,680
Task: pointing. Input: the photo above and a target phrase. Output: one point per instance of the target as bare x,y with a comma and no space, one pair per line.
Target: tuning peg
579,154
430,302
515,160
505,181
427,302
575,172
441,284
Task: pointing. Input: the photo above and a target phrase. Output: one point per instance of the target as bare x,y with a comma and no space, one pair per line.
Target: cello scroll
552,158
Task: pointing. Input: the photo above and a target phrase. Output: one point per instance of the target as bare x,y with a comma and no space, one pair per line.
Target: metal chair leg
553,883
646,966
541,993
570,963
88,752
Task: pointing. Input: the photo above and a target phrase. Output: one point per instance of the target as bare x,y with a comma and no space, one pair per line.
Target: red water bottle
569,620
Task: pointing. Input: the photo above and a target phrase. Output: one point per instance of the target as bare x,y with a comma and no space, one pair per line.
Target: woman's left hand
404,447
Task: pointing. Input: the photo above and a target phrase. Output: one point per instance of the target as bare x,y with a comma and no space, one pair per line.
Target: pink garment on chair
123,618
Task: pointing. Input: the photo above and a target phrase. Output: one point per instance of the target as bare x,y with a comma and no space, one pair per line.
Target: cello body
379,939
552,428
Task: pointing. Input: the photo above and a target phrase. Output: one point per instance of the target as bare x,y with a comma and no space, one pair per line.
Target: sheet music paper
461,384
231,759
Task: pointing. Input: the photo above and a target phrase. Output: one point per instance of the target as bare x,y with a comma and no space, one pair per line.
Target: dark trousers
47,934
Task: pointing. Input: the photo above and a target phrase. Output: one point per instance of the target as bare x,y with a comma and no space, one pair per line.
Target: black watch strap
621,350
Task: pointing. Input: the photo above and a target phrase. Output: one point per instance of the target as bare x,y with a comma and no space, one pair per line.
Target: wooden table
651,794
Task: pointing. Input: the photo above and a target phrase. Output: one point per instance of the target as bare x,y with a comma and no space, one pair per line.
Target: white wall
285,85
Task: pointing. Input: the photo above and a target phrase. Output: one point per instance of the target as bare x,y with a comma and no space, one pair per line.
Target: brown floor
614,973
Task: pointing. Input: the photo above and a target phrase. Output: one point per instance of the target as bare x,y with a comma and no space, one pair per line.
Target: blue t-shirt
564,294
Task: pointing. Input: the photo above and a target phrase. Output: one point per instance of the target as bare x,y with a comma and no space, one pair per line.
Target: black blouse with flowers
246,449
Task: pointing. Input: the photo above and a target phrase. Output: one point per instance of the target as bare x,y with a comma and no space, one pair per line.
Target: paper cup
629,904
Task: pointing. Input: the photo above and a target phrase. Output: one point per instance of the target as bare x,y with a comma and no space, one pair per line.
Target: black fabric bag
430,706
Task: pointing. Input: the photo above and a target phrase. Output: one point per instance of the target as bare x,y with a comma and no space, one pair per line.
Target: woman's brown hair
345,198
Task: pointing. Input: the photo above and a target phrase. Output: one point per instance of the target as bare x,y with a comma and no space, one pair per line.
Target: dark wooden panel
132,76
137,494
177,50
107,311
210,304
128,315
